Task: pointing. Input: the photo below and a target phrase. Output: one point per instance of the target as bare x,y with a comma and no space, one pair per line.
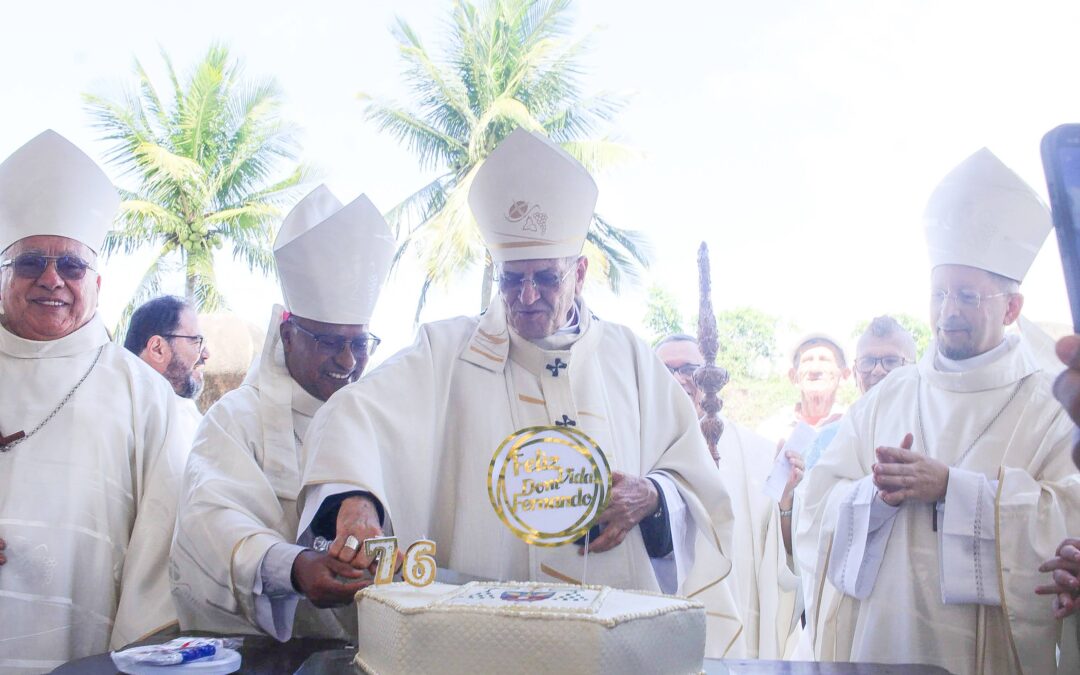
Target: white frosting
526,627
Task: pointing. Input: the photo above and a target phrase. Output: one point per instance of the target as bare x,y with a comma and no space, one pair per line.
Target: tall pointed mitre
532,200
984,215
332,259
50,187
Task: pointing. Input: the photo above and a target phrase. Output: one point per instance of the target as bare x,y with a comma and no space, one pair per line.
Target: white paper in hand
799,441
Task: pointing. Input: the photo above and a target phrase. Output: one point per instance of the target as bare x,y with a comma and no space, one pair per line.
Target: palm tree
508,64
213,164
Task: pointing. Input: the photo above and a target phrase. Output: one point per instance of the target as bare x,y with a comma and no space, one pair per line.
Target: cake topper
549,484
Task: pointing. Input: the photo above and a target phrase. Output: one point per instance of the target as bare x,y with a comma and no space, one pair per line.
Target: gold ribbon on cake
549,484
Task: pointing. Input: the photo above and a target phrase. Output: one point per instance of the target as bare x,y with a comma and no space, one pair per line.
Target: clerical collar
948,365
565,336
87,338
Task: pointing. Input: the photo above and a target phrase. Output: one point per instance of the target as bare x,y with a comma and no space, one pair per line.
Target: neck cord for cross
67,398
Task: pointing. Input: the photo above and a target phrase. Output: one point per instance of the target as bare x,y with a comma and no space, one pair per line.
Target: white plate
223,662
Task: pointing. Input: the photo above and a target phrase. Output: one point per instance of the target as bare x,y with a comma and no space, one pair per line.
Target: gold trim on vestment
555,574
491,338
590,414
530,399
487,355
1001,579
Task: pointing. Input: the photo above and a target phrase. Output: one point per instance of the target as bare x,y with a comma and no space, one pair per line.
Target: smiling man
418,434
90,448
818,368
948,483
235,567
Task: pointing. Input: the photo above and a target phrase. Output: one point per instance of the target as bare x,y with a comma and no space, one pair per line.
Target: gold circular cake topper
549,484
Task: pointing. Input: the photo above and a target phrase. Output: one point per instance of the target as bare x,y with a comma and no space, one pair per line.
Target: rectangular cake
492,627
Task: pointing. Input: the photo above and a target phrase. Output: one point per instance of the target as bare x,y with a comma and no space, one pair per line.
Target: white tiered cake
490,627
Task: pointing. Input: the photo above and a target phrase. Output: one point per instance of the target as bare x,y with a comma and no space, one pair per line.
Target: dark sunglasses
331,345
33,265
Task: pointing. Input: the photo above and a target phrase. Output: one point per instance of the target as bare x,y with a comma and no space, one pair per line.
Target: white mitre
984,215
532,200
332,259
50,187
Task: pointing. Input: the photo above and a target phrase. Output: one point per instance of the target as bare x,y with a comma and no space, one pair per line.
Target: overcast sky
799,139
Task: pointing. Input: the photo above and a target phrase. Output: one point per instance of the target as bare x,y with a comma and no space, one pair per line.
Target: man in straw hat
91,450
235,566
417,435
926,519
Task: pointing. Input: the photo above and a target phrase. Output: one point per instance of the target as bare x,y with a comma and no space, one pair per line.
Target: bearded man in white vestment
88,492
235,566
926,519
766,585
416,436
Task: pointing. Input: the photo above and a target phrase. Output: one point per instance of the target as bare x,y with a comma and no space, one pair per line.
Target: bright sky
799,139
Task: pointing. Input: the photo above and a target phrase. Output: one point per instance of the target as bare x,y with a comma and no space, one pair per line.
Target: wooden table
308,656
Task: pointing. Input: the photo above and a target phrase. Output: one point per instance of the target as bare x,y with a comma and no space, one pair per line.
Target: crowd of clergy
929,523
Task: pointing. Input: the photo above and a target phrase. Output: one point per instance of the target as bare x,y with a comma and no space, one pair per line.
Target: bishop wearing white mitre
416,436
947,485
234,555
92,448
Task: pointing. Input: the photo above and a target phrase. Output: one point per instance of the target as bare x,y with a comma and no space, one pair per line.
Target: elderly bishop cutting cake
93,443
235,567
414,439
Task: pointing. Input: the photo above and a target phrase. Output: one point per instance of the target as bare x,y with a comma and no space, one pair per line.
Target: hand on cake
632,499
357,520
1065,569
325,581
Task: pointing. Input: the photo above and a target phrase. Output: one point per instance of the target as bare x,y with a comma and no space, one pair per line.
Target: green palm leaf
507,64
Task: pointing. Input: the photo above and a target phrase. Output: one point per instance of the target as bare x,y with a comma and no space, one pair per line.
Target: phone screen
1061,160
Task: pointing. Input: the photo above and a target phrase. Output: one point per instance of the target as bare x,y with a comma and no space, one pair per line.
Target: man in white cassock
91,454
765,583
926,519
415,437
235,566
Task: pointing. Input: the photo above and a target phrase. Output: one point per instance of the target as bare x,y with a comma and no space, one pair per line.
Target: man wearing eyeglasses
235,565
884,346
419,433
765,584
164,333
949,482
91,450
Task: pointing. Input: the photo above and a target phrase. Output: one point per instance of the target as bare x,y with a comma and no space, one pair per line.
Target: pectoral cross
5,441
555,367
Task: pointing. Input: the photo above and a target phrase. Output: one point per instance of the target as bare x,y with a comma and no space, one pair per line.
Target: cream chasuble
961,597
87,504
419,433
765,586
239,500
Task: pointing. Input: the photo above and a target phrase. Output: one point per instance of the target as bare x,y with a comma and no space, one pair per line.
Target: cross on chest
556,367
5,441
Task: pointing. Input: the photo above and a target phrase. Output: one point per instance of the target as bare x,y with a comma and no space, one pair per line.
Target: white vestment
420,431
88,502
962,597
239,500
765,586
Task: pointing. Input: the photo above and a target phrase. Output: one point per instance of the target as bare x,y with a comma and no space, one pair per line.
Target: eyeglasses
331,345
964,297
866,364
685,370
544,280
33,265
197,338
